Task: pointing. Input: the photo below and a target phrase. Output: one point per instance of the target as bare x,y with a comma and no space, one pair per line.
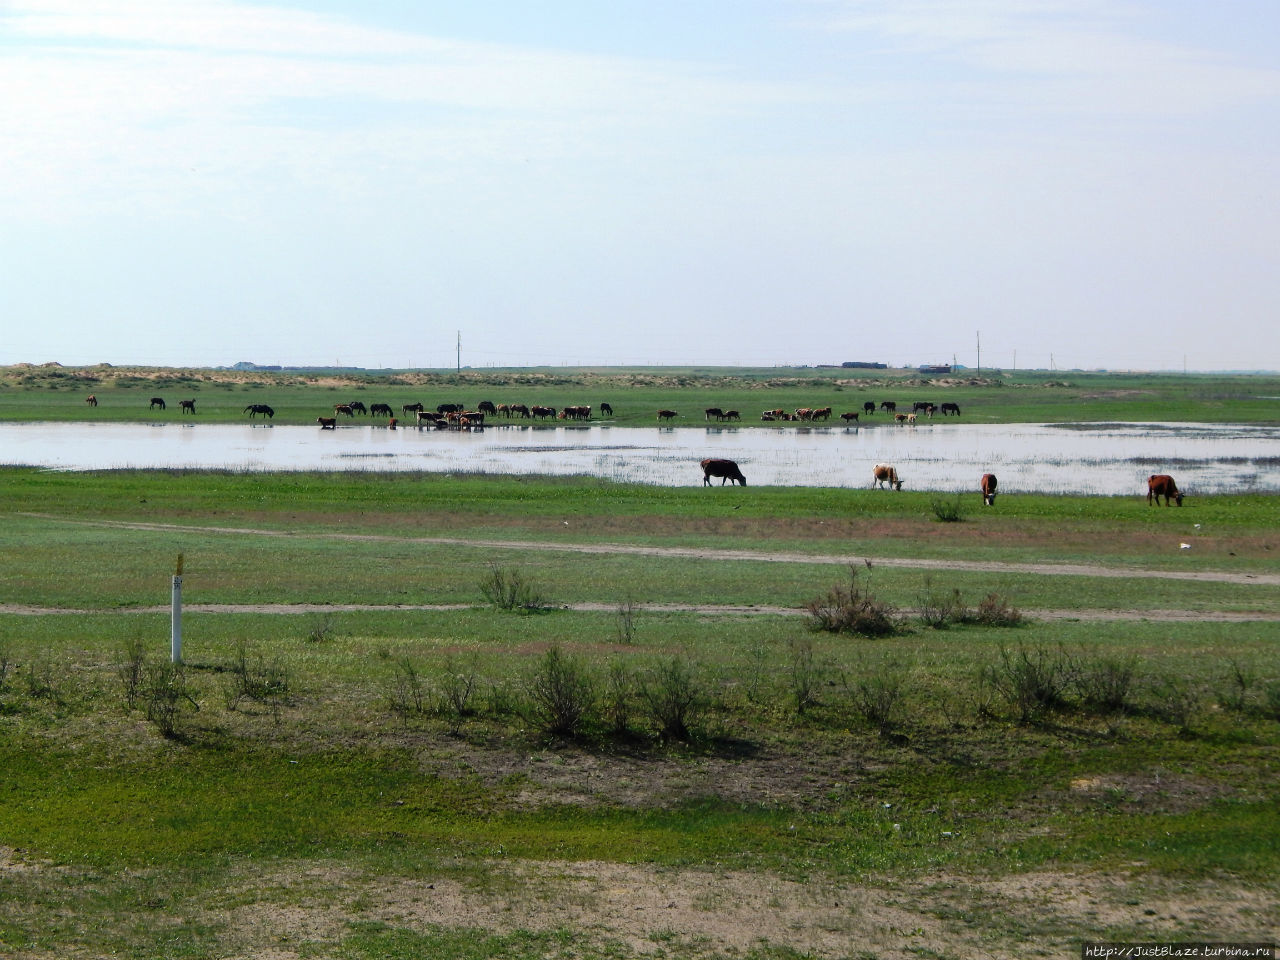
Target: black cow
726,470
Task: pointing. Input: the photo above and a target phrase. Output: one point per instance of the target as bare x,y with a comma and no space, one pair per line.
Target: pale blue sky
1084,183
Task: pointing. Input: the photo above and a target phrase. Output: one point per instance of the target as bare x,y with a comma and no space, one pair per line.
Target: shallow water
1057,458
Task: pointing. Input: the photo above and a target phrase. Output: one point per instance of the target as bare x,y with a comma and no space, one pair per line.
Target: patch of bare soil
692,913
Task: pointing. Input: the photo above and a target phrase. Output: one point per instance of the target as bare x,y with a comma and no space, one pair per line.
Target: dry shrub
853,610
993,611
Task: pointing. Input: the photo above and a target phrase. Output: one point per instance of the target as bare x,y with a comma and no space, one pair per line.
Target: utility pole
459,351
979,351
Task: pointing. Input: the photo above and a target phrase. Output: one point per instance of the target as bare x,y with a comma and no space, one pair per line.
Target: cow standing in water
726,470
988,484
883,473
1162,485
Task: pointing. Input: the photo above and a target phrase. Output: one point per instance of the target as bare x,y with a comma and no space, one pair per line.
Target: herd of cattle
456,416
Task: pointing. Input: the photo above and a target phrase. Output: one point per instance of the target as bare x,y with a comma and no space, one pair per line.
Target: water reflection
1058,458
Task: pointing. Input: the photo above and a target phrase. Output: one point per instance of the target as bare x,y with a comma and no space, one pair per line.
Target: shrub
1107,683
1176,700
507,590
804,675
407,693
878,697
1032,681
993,611
257,680
619,695
853,610
627,621
673,699
457,687
939,610
131,671
166,694
947,510
561,692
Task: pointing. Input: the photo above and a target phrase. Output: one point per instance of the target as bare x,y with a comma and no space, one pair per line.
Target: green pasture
400,745
636,394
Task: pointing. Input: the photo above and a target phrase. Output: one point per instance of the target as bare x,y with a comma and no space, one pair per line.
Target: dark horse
254,409
156,402
187,406
724,469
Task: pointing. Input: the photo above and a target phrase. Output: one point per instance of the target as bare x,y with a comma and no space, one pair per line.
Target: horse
724,469
187,406
951,408
667,415
254,409
91,400
849,418
606,410
381,409
156,402
883,473
869,407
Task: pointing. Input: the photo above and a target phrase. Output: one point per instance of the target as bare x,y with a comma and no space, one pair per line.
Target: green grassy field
383,772
636,395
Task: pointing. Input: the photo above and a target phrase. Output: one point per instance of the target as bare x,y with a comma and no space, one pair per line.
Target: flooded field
1106,459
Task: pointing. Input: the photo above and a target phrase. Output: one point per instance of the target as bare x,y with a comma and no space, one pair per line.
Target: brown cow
883,473
327,423
724,469
344,408
849,418
1162,485
988,484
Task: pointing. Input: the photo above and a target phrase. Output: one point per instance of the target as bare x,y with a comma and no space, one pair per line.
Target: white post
175,616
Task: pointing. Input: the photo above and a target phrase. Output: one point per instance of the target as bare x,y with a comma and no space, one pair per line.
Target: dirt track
1043,569
703,553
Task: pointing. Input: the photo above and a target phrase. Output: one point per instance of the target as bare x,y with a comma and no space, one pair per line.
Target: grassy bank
636,395
397,782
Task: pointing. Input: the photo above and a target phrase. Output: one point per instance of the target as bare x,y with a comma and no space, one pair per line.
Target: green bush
561,694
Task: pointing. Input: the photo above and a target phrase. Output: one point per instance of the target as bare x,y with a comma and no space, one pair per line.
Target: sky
420,183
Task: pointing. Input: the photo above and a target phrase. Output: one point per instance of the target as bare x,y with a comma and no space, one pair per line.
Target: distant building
935,368
864,365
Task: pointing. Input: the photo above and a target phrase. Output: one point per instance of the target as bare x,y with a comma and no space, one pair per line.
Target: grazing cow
411,408
576,413
187,406
428,418
900,418
519,409
930,410
803,413
391,424
381,410
1162,485
889,405
450,407
254,409
538,412
822,413
849,418
715,412
606,410
951,408
768,416
486,406
156,402
732,415
343,408
327,423
883,473
778,414
91,400
988,484
667,415
724,469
